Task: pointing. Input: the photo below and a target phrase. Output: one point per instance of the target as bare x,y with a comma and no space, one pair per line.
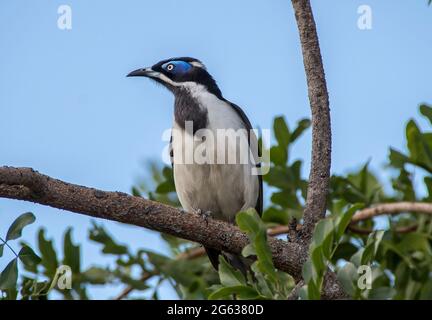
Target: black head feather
196,73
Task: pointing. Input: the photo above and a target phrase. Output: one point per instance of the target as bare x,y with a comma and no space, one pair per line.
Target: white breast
222,188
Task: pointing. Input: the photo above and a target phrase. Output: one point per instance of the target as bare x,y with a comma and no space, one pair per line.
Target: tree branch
29,185
319,176
392,208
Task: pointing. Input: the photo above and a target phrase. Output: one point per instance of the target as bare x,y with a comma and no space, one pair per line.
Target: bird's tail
238,262
213,256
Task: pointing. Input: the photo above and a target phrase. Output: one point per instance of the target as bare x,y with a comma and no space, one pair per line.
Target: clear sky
67,109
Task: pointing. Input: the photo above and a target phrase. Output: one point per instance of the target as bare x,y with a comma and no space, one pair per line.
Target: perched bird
216,186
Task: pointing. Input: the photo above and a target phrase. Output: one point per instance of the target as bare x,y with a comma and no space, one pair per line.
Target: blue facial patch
180,67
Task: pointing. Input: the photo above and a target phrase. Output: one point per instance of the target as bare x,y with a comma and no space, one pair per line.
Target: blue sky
67,109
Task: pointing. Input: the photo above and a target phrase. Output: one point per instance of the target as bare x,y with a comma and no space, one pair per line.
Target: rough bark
319,176
29,185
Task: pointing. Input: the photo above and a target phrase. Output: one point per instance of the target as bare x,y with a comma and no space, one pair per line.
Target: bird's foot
203,214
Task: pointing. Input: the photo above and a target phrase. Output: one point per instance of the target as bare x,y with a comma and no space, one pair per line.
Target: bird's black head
179,73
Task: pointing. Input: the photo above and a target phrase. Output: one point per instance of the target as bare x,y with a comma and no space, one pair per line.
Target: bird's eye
170,67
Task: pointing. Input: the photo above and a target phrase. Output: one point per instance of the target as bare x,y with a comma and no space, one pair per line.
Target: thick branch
29,185
321,131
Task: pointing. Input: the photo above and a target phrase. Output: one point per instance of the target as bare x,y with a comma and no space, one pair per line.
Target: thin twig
7,245
128,290
392,208
364,231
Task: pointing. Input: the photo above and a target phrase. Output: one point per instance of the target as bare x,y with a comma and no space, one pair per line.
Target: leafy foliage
379,263
327,235
264,281
284,178
9,275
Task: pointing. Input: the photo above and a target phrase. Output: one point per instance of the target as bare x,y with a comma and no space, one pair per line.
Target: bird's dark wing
245,119
171,152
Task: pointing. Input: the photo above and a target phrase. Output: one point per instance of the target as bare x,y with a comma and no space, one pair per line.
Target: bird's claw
203,214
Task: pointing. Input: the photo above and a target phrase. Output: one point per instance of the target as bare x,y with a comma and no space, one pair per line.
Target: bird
217,189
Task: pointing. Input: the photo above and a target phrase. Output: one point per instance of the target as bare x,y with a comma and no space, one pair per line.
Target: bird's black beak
146,72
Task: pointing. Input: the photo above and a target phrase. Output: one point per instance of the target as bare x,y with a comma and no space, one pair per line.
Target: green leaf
1,249
286,284
249,222
357,257
364,175
303,293
136,192
241,292
95,275
302,125
181,271
281,131
249,250
285,199
9,276
17,226
318,261
344,251
323,238
265,262
428,183
100,235
273,214
415,241
28,256
71,252
390,246
308,271
348,276
278,155
167,172
377,238
344,220
426,291
278,177
165,187
262,285
229,277
137,284
49,256
313,291
420,150
426,110
397,159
